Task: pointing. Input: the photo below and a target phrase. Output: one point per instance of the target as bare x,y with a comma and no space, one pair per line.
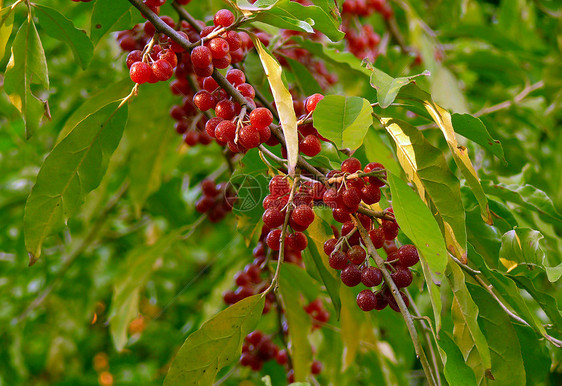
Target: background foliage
126,276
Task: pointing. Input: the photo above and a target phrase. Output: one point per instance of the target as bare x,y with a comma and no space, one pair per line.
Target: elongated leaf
426,167
455,369
299,323
505,350
388,87
536,357
526,196
109,15
472,128
283,102
6,25
318,236
466,332
135,272
417,222
343,120
27,65
73,168
305,80
61,28
377,151
216,344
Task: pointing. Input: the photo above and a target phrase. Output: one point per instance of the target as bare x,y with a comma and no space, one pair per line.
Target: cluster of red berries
217,200
163,62
318,313
367,7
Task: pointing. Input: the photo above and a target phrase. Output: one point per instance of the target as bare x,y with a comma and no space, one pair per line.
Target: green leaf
73,168
27,65
536,357
61,28
388,87
466,332
526,196
216,344
343,120
301,281
299,323
472,128
377,151
109,15
6,25
455,369
417,222
426,167
507,362
135,272
305,80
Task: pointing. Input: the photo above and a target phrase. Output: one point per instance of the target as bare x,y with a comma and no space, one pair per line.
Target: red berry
201,57
225,109
408,255
273,218
402,277
169,56
234,41
338,260
371,276
377,237
210,84
282,357
133,57
247,91
297,241
261,117
203,72
370,194
278,186
223,18
211,125
392,302
351,165
204,100
303,215
249,137
375,166
312,101
366,300
265,134
351,198
351,275
219,47
140,72
235,77
356,254
341,215
390,229
330,246
223,62
175,46
273,239
225,131
310,145
316,367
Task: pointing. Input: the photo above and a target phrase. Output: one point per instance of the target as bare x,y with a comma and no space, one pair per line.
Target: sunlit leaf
6,25
388,87
343,120
109,15
74,167
283,102
472,128
27,65
216,344
61,28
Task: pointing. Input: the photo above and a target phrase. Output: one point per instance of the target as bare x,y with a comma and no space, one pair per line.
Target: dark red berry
351,198
140,72
273,239
351,275
201,57
402,277
225,131
278,186
225,109
338,260
273,218
312,101
234,41
310,145
366,300
390,229
223,18
236,77
133,57
341,215
297,241
211,125
303,215
329,246
249,137
316,367
350,165
219,48
371,276
356,254
370,194
408,255
204,100
261,117
377,237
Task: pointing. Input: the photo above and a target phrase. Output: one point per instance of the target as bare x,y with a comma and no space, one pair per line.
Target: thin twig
516,100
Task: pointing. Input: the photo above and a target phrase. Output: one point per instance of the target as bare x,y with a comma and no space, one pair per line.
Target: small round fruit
330,246
303,215
312,101
201,57
356,254
140,72
223,18
408,255
273,218
225,131
338,260
350,165
377,237
249,137
366,300
261,117
310,145
204,100
371,276
351,275
273,239
402,277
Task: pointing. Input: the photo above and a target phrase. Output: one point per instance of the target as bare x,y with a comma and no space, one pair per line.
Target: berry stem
398,298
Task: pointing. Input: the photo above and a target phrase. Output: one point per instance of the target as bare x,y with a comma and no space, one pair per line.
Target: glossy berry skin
350,165
303,215
225,131
356,255
390,229
351,275
338,260
402,277
278,186
310,145
225,109
341,215
219,48
374,166
133,57
223,18
234,41
273,218
140,72
366,300
371,276
351,198
330,246
249,137
377,237
211,125
297,241
370,194
273,238
261,117
235,77
408,255
312,101
204,100
201,57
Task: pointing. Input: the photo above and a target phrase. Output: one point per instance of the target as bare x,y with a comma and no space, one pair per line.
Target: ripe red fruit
201,57
140,72
210,84
211,125
203,72
351,198
351,275
338,260
209,188
374,166
223,18
278,186
234,41
261,117
351,165
265,134
341,215
392,302
223,62
356,254
273,218
204,100
175,46
219,47
303,215
225,131
312,101
169,56
408,255
282,357
297,241
329,246
377,237
370,194
273,238
133,57
225,109
371,276
402,277
390,229
310,145
316,367
235,76
366,300
249,137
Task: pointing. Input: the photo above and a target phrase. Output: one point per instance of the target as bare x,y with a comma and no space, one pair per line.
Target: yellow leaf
283,103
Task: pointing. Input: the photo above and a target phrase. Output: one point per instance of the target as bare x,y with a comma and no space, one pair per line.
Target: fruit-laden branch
399,301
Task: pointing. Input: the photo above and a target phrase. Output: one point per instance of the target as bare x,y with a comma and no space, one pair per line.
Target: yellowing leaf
283,103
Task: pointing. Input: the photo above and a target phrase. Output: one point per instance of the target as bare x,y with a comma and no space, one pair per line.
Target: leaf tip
32,259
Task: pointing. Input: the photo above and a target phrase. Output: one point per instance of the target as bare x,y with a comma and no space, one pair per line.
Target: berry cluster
217,200
318,313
